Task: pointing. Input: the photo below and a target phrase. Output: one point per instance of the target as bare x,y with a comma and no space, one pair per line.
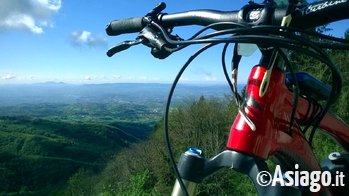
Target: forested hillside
38,156
50,131
143,169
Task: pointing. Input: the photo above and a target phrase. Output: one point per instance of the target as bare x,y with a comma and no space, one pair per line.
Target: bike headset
249,25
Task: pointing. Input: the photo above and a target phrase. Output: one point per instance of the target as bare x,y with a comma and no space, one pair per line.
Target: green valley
37,154
52,132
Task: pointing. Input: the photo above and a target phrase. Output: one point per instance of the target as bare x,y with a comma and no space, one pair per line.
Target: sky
65,41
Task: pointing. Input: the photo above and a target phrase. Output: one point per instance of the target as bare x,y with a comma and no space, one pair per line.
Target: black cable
197,33
317,116
317,53
227,77
256,30
255,39
307,120
295,90
295,99
293,76
235,68
318,119
322,56
315,113
335,90
336,79
167,109
224,66
292,29
295,86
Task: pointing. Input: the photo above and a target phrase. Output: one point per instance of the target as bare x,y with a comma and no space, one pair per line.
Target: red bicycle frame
271,116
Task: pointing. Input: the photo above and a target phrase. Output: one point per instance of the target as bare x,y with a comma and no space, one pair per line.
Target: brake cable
295,90
232,83
167,110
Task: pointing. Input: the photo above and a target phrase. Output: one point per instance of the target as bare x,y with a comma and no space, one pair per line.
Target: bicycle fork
194,167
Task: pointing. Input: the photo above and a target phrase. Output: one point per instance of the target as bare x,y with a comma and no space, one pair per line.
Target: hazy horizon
124,82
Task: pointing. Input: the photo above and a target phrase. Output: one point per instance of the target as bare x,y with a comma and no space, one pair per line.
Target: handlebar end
130,25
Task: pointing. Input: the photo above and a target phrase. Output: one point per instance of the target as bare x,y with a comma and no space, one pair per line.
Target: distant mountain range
52,92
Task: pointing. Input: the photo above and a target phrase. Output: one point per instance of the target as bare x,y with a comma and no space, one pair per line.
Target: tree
81,183
144,167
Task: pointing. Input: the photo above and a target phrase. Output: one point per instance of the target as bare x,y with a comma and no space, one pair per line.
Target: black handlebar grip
129,25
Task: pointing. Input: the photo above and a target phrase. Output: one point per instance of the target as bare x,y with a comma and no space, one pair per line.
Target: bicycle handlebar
308,16
197,17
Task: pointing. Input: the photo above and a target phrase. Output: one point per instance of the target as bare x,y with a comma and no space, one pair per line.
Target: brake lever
159,8
124,46
148,36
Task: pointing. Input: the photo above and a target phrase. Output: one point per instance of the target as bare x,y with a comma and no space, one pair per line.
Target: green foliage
143,169
202,123
140,184
323,145
81,183
39,155
346,34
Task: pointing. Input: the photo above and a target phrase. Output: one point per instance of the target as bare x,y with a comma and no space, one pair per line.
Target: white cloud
9,76
27,15
80,38
23,22
50,4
